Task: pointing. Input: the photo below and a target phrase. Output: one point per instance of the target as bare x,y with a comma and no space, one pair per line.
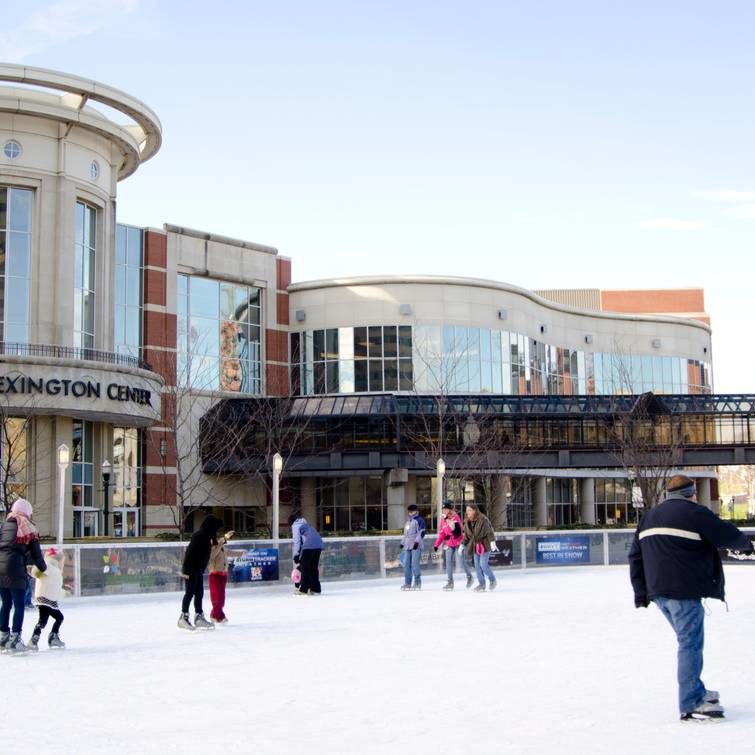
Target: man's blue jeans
686,617
412,564
482,568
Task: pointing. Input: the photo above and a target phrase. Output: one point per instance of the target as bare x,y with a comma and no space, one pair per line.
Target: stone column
309,499
703,491
498,512
395,496
541,505
587,500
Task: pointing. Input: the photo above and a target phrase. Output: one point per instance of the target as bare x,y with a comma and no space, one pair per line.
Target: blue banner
558,550
254,565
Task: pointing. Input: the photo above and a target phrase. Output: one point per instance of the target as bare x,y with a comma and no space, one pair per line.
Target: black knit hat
448,505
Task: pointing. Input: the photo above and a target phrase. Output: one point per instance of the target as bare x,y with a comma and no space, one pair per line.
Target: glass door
125,522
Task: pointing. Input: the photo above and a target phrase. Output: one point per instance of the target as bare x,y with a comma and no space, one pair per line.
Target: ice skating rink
554,660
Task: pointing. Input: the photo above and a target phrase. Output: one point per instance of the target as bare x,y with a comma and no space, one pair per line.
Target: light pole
106,489
441,470
64,459
277,468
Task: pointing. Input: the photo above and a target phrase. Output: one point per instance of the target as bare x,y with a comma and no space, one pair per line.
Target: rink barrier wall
128,568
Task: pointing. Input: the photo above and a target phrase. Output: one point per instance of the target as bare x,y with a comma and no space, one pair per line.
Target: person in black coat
674,562
19,544
195,562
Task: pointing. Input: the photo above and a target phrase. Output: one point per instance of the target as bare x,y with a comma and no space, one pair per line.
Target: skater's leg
7,602
417,566
450,558
686,618
315,573
188,593
214,582
485,567
408,568
222,582
18,609
306,567
198,591
58,617
478,570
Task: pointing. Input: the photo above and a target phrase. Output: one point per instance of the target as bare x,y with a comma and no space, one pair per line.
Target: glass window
221,345
360,342
390,346
375,335
84,266
15,263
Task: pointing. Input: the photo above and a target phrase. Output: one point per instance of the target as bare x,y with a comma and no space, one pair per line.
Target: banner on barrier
254,565
562,549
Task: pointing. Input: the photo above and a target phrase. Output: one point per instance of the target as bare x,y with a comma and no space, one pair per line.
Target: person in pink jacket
450,535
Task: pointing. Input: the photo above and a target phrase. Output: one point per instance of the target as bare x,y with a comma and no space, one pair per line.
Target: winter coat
478,531
14,557
414,531
674,553
218,557
48,585
450,533
306,537
197,554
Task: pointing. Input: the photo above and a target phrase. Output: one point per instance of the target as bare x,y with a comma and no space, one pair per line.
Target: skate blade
700,719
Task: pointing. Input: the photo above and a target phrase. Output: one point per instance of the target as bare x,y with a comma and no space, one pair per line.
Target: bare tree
14,437
451,420
645,439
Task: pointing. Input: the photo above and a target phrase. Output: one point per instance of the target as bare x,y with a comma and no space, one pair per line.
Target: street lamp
440,468
106,489
277,468
64,459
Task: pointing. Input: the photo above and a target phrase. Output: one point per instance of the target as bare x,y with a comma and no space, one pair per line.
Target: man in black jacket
674,562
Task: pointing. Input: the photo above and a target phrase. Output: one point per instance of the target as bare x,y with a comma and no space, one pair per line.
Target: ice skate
479,588
448,586
54,641
224,620
4,638
184,623
712,696
15,644
493,585
704,712
34,641
417,586
405,587
470,581
201,623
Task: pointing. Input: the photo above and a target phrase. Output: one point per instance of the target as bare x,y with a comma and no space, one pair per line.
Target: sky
543,144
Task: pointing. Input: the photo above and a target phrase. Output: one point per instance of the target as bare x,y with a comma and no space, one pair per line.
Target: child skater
48,591
218,577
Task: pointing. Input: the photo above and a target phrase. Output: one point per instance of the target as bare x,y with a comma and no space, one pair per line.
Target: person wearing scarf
19,543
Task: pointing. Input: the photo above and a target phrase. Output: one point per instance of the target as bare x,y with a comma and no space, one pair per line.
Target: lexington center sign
124,396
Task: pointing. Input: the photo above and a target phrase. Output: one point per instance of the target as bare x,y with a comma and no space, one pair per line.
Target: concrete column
309,500
587,500
498,513
541,505
397,503
703,491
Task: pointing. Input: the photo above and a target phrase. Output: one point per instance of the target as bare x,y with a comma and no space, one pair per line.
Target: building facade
117,340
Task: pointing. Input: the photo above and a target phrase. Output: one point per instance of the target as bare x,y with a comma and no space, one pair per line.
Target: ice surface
554,661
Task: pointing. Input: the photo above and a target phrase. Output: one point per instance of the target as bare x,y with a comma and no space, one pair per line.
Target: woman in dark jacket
196,558
19,544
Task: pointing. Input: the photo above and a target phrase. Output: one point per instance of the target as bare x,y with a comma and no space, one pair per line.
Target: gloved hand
641,602
297,559
493,546
416,545
435,548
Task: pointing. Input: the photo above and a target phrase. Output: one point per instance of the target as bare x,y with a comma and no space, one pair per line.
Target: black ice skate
704,712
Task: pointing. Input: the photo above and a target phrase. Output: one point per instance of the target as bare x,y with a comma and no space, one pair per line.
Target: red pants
218,581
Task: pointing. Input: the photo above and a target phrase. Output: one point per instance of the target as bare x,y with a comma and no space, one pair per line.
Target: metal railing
71,352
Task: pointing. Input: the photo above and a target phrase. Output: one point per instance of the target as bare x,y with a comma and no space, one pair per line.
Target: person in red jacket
450,535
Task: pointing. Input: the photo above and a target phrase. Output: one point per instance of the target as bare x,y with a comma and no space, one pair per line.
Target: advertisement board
557,550
254,565
505,554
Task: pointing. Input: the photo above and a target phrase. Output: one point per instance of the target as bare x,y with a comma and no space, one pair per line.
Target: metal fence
71,352
127,568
